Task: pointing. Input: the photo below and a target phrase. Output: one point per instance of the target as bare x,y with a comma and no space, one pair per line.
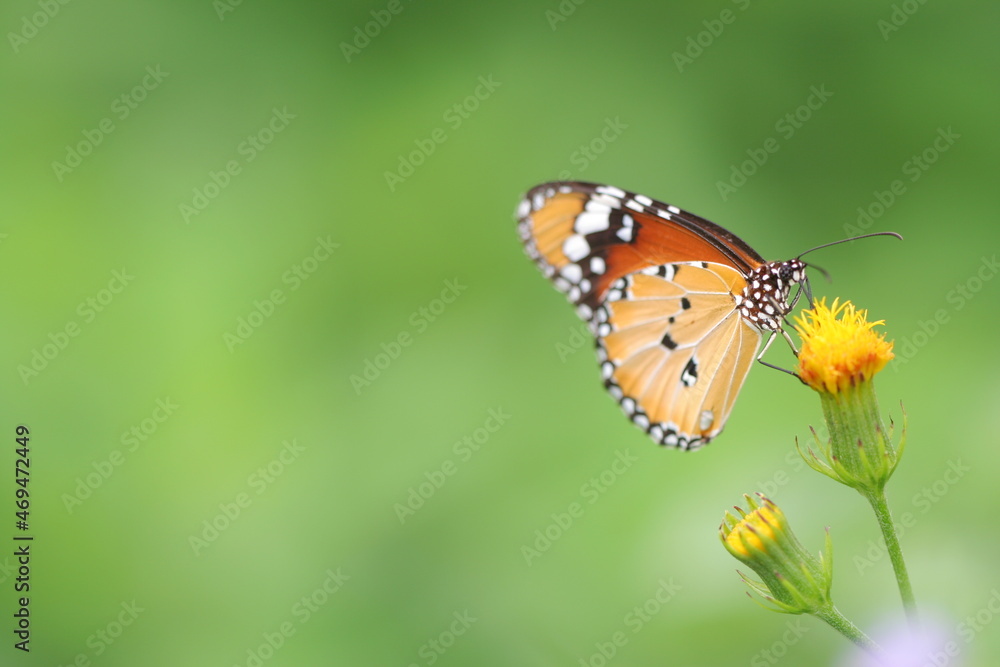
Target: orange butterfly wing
674,349
659,287
562,224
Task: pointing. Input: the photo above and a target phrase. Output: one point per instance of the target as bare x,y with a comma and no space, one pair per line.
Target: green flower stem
852,417
841,624
881,508
863,457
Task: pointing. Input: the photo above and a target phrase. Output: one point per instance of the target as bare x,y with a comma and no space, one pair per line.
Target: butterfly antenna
853,238
823,271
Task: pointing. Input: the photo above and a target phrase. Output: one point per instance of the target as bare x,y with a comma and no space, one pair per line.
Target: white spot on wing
611,190
523,209
644,200
572,272
576,248
597,206
591,221
605,200
706,419
625,234
597,264
690,374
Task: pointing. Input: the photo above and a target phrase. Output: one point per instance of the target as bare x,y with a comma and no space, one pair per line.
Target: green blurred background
201,247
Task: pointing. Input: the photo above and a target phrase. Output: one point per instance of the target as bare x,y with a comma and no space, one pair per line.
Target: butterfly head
764,301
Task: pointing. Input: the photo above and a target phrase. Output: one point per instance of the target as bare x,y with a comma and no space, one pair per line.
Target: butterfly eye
785,273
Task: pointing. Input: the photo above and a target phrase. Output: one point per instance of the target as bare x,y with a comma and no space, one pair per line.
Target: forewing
586,236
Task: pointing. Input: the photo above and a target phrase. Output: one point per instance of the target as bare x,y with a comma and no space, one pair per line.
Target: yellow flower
792,579
749,533
839,348
839,358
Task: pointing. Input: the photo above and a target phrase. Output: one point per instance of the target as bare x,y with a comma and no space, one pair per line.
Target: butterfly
678,305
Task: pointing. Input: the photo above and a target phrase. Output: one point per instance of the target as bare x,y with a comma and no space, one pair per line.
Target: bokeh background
219,216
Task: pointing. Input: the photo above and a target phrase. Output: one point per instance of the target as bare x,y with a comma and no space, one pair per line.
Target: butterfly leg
791,343
803,287
767,344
